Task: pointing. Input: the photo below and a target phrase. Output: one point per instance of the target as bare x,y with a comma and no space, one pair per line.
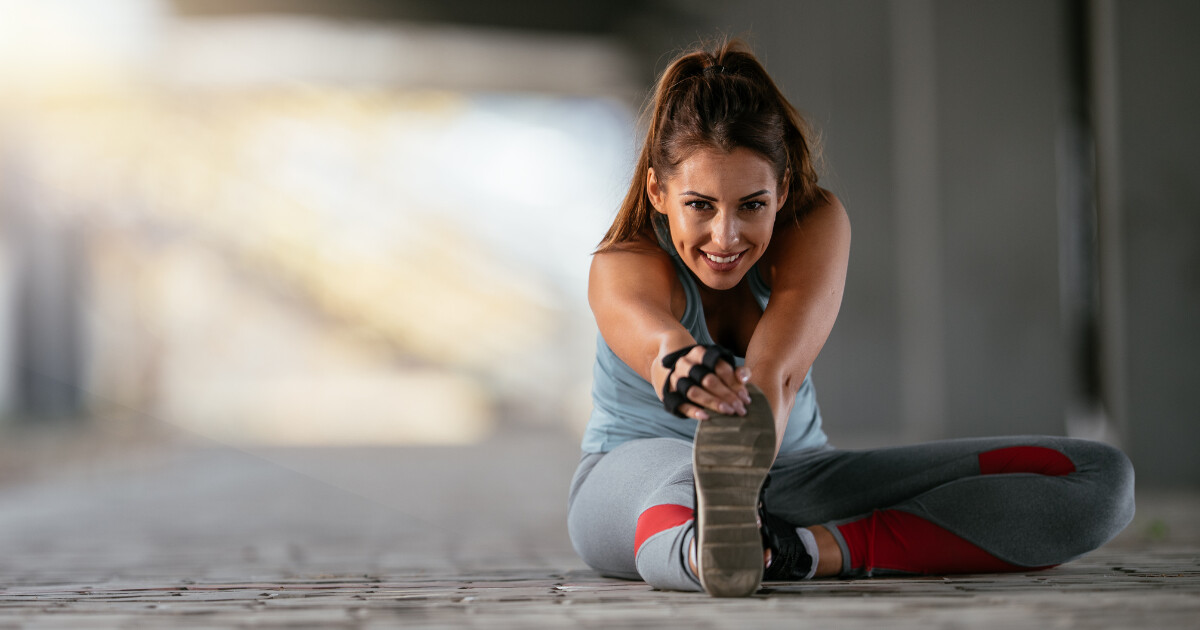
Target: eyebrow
746,198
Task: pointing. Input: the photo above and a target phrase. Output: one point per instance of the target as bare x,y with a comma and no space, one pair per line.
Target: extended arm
806,269
637,303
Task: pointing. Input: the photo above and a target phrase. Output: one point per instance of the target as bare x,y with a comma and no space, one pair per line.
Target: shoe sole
731,457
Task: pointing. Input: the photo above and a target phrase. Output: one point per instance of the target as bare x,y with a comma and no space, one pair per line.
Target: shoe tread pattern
731,457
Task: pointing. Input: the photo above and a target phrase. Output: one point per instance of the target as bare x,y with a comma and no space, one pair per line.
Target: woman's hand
700,379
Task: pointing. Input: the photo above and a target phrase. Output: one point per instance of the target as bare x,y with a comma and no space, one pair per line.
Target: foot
792,557
730,458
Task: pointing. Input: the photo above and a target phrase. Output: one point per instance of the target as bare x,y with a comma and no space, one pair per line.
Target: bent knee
1116,472
1113,502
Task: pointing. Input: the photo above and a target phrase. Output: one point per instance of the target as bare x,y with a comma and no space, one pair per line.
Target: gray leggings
1031,501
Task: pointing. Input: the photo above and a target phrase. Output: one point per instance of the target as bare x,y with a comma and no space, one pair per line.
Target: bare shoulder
827,218
637,271
816,240
632,255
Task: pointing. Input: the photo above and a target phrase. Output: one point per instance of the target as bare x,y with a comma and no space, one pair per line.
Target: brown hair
721,97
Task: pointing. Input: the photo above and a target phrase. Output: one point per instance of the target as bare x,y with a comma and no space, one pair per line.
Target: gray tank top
625,406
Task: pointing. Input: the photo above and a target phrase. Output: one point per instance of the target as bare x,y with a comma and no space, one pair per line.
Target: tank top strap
758,287
693,313
662,231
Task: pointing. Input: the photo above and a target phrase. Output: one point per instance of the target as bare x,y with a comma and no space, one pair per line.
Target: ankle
829,561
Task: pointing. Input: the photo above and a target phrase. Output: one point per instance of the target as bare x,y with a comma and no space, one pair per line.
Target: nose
725,230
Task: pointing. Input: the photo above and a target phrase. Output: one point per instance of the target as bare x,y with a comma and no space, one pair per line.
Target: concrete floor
202,535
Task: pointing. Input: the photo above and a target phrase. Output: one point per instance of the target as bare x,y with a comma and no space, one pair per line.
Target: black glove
673,399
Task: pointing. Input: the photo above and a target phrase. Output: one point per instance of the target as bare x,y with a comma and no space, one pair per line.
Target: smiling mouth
723,259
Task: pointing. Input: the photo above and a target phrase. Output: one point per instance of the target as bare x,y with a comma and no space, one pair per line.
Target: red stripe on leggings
891,539
657,519
1025,459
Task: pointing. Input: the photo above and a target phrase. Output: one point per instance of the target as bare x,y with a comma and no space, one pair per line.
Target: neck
717,298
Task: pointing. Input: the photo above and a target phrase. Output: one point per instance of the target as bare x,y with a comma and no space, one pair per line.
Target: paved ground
209,536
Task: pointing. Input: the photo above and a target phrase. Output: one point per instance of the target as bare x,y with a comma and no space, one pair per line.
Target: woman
726,241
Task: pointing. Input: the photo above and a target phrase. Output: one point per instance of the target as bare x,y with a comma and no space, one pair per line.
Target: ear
655,190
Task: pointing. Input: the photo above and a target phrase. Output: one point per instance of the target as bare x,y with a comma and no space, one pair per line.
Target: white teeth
718,259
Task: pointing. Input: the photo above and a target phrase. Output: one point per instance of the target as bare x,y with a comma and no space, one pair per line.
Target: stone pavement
202,535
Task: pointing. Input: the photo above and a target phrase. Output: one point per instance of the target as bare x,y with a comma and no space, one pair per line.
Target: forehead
713,168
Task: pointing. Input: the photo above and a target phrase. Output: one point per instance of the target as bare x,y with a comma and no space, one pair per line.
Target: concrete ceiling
597,17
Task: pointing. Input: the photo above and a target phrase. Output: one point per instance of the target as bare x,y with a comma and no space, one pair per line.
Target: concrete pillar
1157,219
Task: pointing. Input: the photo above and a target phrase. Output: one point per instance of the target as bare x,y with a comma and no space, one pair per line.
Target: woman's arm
806,269
637,303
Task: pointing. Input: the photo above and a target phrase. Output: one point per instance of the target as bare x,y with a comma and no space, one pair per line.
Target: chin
721,282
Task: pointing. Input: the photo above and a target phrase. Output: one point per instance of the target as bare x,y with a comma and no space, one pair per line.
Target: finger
718,388
701,396
698,372
669,360
728,376
693,412
673,402
728,390
743,374
714,354
731,378
684,366
705,359
685,385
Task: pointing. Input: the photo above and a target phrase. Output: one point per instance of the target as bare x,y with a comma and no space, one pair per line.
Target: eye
754,205
698,204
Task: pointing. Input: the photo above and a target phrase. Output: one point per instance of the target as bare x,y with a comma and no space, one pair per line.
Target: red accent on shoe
1025,459
657,519
891,539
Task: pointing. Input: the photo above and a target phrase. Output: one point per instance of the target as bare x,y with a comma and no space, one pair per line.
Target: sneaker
730,459
790,560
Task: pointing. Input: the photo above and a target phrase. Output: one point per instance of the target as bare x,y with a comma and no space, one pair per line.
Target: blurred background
262,223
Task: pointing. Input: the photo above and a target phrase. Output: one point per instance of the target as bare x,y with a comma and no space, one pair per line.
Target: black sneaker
789,559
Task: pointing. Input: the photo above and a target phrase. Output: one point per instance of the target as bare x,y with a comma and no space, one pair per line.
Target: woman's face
721,208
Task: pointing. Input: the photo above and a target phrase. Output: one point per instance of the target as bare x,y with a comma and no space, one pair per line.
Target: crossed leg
959,506
975,505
